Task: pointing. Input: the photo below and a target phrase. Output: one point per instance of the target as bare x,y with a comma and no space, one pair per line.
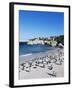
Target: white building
36,41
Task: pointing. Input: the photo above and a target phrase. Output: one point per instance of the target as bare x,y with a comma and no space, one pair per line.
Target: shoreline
31,56
41,66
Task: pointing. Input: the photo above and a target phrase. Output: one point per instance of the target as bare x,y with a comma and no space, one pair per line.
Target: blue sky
33,24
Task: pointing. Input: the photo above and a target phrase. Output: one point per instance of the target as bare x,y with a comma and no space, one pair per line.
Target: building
36,41
40,41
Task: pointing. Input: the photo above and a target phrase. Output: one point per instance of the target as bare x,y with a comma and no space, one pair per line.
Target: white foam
26,55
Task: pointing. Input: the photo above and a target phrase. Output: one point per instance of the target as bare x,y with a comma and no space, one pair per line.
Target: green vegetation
59,39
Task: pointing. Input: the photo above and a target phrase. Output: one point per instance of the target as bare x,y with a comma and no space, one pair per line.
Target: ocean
25,49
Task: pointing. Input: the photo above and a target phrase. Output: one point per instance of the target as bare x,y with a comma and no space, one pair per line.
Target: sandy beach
48,64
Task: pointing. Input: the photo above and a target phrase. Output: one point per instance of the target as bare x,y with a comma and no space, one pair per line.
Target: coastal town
52,41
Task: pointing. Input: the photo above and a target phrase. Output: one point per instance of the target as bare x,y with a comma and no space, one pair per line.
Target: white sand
40,72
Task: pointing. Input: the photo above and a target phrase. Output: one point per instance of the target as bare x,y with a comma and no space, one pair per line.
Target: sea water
25,49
